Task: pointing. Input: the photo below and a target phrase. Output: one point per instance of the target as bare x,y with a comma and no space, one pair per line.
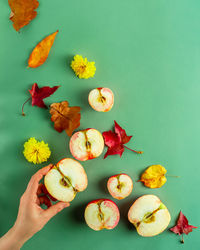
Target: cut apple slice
65,180
86,144
101,99
120,186
149,215
102,214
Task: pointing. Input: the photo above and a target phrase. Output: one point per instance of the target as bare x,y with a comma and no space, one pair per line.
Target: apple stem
176,176
138,152
24,104
182,240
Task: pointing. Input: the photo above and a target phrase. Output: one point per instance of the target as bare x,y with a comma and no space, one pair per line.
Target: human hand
31,217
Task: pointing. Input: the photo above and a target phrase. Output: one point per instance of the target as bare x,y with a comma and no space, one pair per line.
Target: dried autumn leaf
115,141
22,12
154,176
65,117
182,226
38,94
40,53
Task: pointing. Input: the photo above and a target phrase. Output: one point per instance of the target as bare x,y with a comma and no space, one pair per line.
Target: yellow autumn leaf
154,176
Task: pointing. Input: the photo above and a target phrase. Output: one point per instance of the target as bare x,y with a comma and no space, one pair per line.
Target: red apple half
120,186
101,99
86,144
149,215
65,180
102,214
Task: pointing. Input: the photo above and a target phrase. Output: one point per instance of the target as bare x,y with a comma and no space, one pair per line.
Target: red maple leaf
115,141
182,226
38,94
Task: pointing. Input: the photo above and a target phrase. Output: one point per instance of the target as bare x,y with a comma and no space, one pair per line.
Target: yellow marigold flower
83,68
35,151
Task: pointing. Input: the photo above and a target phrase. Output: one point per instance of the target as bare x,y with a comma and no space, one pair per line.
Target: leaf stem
182,240
138,152
23,106
176,176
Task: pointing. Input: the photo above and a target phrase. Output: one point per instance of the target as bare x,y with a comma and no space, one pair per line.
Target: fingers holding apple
102,214
149,215
120,186
101,99
86,144
65,180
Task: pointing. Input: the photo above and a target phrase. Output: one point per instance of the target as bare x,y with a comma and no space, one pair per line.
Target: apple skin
86,144
71,170
109,211
124,181
140,211
101,99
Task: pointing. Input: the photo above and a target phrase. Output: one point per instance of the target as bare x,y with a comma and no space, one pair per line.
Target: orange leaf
41,51
22,12
65,117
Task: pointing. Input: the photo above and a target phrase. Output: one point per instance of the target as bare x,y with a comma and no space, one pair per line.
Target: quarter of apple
86,144
102,214
149,215
65,180
120,186
101,99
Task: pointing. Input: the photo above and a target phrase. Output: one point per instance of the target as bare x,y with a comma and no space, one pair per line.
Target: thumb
56,208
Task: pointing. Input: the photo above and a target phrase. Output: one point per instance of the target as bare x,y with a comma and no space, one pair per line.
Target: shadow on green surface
66,60
77,213
83,98
124,208
103,185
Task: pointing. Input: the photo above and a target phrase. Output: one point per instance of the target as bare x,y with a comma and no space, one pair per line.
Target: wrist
19,235
14,239
11,240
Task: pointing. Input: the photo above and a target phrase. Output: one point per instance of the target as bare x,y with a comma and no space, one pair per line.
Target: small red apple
101,99
86,144
102,214
120,186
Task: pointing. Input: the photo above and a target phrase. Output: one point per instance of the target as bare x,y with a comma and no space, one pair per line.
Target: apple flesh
120,186
65,180
102,214
86,144
101,99
149,215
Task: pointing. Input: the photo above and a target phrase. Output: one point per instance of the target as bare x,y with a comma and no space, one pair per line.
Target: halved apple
101,99
86,144
120,186
149,215
102,214
65,180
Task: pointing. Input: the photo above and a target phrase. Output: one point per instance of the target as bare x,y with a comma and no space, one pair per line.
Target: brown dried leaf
65,117
22,12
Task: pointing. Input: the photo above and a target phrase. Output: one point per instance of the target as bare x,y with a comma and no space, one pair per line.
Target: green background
148,53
